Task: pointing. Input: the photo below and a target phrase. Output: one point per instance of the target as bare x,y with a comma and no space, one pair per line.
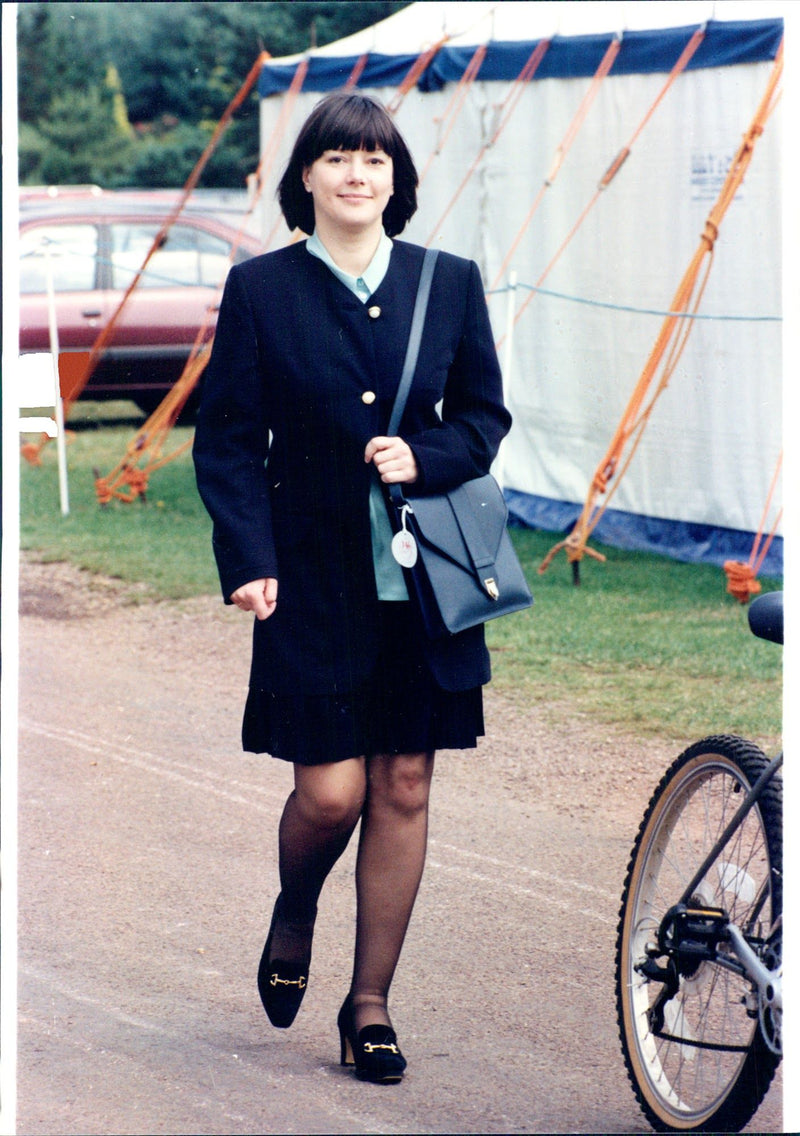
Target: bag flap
466,524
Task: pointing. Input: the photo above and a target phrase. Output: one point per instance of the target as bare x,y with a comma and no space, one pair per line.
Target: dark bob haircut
347,120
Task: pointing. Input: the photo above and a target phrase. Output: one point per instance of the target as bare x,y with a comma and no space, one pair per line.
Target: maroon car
95,242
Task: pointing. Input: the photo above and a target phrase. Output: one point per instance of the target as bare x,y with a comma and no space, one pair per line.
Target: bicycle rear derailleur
687,937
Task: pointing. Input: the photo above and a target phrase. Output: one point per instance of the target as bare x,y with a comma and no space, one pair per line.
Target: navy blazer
302,375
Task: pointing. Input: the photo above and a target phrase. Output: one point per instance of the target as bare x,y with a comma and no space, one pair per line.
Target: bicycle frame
736,820
747,962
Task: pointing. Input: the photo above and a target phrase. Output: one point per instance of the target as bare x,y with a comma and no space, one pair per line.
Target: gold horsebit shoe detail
300,982
370,1048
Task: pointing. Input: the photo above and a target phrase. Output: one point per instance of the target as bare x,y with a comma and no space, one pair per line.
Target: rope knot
742,582
102,490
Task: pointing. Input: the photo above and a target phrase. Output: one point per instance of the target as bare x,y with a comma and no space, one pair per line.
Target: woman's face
350,188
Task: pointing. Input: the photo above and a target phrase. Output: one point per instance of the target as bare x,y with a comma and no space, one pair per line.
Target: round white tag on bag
404,549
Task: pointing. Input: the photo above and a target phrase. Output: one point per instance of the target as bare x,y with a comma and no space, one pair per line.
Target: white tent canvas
699,482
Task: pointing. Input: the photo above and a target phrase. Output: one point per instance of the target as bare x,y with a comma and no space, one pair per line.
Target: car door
70,251
178,292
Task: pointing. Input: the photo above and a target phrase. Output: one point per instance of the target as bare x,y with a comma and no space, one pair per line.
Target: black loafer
281,984
373,1050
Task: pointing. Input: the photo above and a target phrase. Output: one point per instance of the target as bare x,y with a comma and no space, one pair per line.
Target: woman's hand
393,459
259,596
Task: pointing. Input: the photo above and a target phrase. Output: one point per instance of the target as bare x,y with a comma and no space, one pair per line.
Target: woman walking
293,464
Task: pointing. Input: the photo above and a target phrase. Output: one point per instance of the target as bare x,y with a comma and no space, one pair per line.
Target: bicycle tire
684,1078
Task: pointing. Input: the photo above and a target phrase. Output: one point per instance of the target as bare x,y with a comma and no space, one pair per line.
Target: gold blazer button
374,312
368,397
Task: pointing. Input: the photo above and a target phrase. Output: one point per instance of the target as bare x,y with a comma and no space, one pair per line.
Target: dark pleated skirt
401,709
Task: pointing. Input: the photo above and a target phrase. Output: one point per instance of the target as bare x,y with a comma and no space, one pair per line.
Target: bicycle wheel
699,1061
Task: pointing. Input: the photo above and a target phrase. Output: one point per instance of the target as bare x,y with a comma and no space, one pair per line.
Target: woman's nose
356,170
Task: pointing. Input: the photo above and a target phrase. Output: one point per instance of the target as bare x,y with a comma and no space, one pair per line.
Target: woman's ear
305,180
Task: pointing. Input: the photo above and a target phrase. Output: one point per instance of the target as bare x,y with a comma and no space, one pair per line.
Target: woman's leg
317,822
391,857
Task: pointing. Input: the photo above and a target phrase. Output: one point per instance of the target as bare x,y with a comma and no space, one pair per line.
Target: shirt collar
370,279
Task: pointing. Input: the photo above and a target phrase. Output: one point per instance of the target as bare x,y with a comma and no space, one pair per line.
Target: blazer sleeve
231,446
474,419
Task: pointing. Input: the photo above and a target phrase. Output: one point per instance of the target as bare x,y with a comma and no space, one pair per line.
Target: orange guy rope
616,165
287,105
357,71
191,182
107,332
742,582
414,72
271,150
576,542
152,435
513,97
453,108
603,69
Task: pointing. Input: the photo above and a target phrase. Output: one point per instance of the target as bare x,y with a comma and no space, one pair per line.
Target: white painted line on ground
201,778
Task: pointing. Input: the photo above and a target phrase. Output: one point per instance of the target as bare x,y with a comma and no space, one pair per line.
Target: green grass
645,644
164,542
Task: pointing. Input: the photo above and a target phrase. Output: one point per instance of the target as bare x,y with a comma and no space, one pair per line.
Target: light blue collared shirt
388,573
370,279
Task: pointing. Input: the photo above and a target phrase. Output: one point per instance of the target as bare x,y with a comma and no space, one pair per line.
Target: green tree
190,59
53,55
167,159
83,142
90,70
122,123
32,148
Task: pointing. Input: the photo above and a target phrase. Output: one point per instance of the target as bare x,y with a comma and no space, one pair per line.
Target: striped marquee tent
576,151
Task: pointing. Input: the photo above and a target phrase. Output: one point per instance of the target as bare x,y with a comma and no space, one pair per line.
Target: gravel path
147,872
537,756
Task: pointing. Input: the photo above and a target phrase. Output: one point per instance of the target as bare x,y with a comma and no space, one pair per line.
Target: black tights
390,794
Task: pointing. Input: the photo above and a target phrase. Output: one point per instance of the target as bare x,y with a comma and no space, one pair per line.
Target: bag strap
412,354
414,340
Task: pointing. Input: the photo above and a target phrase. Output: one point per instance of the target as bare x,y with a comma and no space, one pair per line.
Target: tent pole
58,405
507,357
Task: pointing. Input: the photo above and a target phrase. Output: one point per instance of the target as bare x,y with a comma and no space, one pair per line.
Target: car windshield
188,256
